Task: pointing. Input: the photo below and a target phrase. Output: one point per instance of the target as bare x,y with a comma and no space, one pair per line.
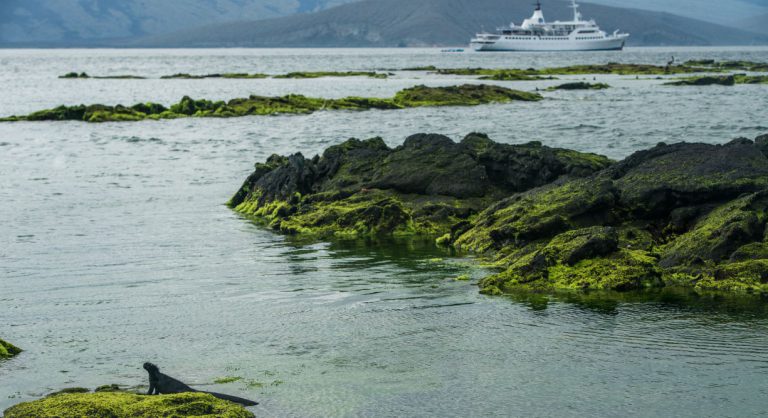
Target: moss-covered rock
490,74
8,350
106,77
690,215
728,65
186,76
685,214
727,80
610,68
319,74
506,75
750,79
428,186
466,95
622,69
580,85
127,405
75,75
183,76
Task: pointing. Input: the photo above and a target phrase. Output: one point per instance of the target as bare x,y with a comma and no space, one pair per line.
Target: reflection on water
713,304
116,248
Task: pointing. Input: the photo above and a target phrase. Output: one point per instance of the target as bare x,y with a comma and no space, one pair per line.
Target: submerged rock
427,186
580,85
682,214
465,95
8,350
727,80
127,405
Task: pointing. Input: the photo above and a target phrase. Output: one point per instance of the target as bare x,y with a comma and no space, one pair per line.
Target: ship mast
576,14
538,5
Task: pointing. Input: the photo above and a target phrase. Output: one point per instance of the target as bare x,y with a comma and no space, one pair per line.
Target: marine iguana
160,383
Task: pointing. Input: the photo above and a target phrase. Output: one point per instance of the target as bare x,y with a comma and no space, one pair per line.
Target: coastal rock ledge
686,214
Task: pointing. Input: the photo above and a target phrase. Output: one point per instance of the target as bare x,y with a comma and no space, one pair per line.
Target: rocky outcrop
726,80
682,214
418,96
8,350
687,214
430,185
729,80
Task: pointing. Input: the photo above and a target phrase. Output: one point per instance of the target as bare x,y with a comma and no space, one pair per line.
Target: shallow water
116,248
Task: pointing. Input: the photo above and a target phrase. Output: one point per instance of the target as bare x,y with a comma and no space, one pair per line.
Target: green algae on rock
227,379
729,65
620,69
75,75
319,74
503,75
127,405
428,186
690,215
580,85
728,80
106,77
465,95
8,350
186,76
610,68
491,74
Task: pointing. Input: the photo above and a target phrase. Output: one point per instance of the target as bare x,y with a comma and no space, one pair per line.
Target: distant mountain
757,24
715,11
439,22
80,22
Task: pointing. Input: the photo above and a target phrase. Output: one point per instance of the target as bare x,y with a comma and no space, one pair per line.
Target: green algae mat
127,405
419,96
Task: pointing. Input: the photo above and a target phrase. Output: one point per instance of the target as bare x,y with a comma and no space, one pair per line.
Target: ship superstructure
536,34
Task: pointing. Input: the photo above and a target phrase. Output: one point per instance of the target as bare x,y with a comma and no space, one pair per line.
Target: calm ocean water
116,248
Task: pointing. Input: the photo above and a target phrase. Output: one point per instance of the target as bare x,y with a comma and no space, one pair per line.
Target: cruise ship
535,34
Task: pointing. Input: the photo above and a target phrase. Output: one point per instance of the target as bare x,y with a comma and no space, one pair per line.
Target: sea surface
116,248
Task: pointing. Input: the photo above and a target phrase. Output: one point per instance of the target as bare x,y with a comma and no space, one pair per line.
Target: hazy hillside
757,24
718,11
439,22
67,22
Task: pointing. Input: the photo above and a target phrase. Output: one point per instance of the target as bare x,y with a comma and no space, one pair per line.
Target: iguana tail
235,399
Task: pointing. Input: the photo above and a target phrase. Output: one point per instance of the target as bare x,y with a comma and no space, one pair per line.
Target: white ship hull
535,44
535,34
